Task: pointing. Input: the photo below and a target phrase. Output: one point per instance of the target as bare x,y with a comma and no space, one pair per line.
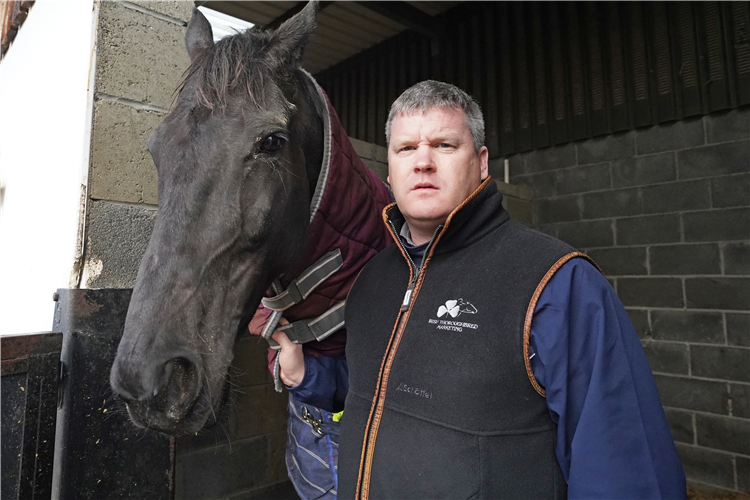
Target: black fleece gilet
440,401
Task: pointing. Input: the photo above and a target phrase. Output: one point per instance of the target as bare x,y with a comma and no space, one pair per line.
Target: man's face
432,167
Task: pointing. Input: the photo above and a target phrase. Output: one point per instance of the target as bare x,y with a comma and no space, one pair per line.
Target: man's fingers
291,359
281,338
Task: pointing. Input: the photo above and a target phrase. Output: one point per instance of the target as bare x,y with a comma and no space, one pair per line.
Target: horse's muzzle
161,397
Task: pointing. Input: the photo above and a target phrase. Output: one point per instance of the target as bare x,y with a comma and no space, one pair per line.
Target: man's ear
484,158
198,37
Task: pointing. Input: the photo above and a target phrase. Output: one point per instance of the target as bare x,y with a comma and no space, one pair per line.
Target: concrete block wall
374,156
665,211
517,198
140,59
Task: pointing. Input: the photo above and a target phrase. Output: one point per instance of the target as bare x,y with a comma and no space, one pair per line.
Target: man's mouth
424,185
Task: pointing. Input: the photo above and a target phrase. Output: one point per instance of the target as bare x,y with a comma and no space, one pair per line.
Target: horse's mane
241,61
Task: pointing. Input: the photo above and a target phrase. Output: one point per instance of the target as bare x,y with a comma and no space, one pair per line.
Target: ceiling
345,28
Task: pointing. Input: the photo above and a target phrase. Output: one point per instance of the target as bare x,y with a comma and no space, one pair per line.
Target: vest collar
481,212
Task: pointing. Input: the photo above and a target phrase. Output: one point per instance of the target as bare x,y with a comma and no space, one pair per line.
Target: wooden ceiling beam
291,12
406,15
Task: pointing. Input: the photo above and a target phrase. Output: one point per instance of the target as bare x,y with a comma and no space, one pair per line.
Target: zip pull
407,295
416,270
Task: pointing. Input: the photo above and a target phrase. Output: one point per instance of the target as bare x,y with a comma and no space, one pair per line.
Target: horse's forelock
241,62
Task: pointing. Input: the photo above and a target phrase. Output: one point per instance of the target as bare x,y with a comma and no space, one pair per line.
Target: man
487,360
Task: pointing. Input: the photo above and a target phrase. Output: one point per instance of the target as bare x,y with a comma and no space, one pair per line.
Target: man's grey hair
433,94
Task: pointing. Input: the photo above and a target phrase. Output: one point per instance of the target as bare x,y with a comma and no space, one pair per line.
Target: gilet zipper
415,271
363,482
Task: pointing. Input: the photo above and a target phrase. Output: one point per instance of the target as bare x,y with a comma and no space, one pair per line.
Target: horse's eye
272,144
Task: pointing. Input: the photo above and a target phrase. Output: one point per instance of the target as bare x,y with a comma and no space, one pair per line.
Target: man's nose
424,162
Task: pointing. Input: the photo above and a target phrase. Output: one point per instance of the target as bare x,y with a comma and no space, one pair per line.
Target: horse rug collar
345,232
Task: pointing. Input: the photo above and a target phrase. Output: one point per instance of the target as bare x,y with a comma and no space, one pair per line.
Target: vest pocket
521,466
417,459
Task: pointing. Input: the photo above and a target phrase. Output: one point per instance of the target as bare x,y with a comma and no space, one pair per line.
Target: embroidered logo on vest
453,309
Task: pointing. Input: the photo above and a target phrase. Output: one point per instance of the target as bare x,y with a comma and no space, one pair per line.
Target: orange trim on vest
382,363
530,313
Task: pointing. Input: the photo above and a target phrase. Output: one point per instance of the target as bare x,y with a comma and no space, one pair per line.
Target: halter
305,330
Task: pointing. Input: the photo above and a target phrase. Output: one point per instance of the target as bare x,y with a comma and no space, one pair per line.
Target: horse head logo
456,307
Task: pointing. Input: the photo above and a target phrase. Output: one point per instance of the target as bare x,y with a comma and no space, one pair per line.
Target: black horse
238,162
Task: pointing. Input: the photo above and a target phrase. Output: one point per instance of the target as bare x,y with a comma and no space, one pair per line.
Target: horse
248,197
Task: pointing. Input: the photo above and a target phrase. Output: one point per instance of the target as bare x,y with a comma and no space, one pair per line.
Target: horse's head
466,307
237,161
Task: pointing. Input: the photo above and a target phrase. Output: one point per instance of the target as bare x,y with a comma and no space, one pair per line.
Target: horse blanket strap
299,289
303,331
273,320
277,383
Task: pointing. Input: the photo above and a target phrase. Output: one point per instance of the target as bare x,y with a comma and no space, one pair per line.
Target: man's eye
272,144
445,145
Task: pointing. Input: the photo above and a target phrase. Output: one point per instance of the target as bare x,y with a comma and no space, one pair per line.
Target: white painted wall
45,115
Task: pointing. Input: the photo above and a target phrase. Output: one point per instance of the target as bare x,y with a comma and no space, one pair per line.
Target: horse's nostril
180,384
166,377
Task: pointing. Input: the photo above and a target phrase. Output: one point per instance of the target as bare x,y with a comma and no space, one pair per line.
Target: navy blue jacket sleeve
612,435
325,383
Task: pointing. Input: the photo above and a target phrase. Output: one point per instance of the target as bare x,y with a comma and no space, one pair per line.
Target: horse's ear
289,40
199,37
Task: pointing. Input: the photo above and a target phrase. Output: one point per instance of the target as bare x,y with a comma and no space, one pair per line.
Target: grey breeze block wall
665,212
140,59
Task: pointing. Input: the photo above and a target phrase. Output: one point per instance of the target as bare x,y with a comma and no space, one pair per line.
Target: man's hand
291,359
